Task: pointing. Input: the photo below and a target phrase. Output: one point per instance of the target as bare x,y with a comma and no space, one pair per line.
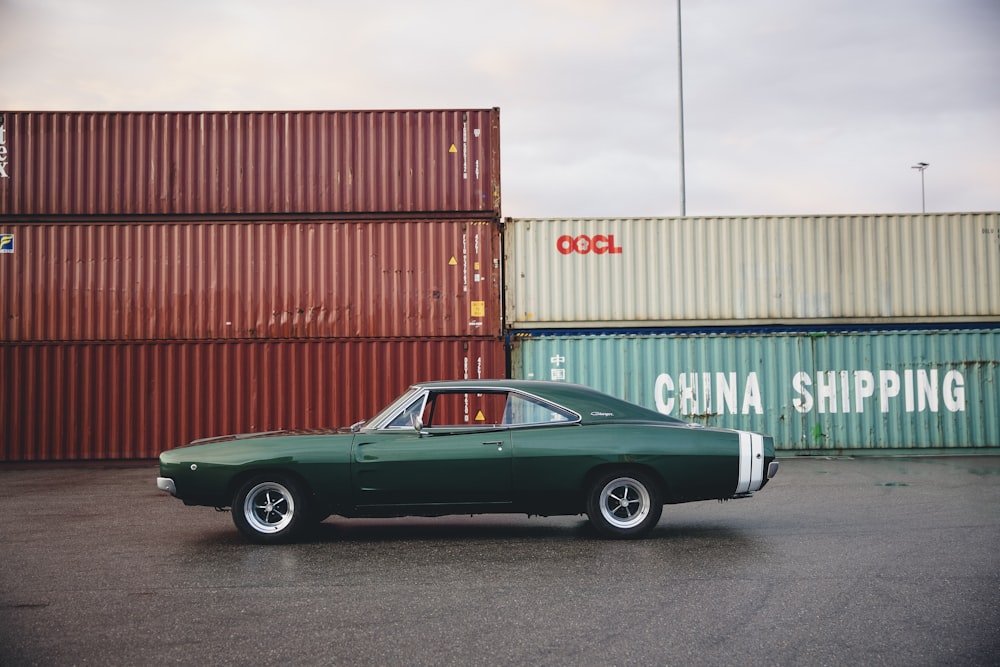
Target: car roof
590,404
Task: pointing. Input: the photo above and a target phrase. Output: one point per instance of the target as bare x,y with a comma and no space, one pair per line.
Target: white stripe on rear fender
751,462
746,459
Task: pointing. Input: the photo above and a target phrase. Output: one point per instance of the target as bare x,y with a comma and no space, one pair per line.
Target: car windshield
380,420
409,417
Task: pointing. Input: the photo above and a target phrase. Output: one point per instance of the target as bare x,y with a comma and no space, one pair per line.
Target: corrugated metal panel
811,391
813,269
211,280
132,401
250,162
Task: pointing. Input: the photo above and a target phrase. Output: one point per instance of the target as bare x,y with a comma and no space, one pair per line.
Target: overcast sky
790,106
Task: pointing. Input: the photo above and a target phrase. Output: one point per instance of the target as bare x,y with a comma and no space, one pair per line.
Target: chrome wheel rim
268,507
624,502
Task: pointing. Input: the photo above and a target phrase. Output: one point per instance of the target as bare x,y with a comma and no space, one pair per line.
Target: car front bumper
166,484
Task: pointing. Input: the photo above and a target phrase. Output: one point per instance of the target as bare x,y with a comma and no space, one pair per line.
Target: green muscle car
474,447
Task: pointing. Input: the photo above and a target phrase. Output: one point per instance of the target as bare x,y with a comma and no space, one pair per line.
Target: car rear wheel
269,509
624,504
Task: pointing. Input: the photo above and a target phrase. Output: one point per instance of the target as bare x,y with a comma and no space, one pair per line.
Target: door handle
497,443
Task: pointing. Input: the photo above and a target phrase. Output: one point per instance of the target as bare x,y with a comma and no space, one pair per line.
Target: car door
443,464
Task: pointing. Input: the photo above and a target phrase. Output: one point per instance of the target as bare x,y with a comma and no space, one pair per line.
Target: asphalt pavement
875,561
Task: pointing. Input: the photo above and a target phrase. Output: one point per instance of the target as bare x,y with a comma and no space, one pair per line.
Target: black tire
624,504
270,509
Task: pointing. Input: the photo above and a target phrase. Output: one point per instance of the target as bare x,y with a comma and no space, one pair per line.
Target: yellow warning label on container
452,261
453,149
480,417
475,266
478,309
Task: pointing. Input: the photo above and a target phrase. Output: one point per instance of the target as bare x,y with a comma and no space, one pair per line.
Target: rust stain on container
80,401
250,162
78,281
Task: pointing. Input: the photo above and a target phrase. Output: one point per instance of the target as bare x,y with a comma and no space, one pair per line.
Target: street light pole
921,166
680,97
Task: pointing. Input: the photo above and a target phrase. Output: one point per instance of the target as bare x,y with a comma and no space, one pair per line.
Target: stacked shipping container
259,279
833,333
251,163
171,276
132,399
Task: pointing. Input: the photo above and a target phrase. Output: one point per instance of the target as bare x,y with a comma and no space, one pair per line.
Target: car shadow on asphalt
500,528
689,531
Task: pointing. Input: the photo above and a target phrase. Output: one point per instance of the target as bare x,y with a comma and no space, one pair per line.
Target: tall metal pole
680,97
921,166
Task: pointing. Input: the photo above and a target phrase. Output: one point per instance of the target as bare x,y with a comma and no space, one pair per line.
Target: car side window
453,409
467,409
523,410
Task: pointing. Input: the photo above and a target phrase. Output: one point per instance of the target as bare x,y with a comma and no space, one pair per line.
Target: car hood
243,448
266,434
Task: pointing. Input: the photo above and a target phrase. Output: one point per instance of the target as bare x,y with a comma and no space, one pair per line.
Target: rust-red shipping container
83,401
249,162
79,281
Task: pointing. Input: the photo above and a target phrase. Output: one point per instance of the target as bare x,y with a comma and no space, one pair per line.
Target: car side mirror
417,423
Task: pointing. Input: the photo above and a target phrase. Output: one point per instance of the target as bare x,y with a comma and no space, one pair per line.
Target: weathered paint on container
741,270
821,391
249,162
79,281
84,401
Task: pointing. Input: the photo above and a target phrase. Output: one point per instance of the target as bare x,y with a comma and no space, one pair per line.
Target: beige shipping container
707,271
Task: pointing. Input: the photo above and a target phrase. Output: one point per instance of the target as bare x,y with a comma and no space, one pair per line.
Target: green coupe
473,447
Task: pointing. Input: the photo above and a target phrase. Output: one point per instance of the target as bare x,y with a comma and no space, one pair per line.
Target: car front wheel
269,509
624,504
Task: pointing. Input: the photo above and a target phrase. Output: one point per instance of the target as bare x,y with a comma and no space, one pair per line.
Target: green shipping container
816,391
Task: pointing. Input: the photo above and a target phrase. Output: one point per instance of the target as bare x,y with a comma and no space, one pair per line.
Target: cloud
790,107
